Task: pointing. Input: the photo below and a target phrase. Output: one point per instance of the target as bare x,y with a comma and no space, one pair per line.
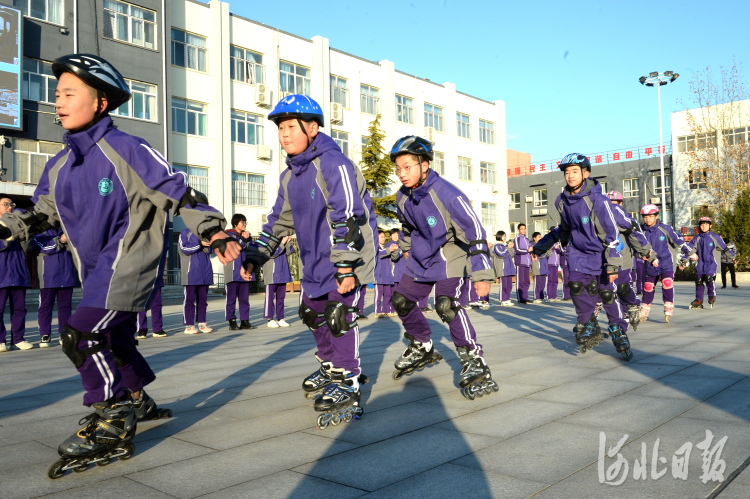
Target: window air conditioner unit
285,94
655,200
429,134
263,220
543,211
494,190
535,212
262,95
337,115
529,199
264,152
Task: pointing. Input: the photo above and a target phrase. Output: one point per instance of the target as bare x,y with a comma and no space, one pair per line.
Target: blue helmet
411,144
575,159
297,106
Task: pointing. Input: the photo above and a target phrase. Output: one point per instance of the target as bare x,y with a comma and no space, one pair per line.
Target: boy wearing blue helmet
323,199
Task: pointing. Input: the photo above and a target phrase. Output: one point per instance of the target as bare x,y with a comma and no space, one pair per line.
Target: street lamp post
657,79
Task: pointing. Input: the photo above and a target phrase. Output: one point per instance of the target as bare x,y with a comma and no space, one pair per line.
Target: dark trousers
17,297
47,303
523,281
237,291
157,321
730,268
275,295
195,295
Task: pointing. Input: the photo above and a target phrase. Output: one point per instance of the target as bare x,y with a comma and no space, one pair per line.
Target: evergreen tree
735,226
377,169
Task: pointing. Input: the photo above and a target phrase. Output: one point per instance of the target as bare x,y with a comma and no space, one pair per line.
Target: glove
221,244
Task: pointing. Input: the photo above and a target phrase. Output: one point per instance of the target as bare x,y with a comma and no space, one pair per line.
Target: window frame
405,108
463,126
469,168
259,126
541,221
47,78
485,173
431,118
512,205
15,152
489,213
657,189
131,102
337,91
538,201
131,19
186,46
369,101
26,11
512,230
485,131
342,142
306,81
249,67
250,194
187,119
439,162
692,184
629,193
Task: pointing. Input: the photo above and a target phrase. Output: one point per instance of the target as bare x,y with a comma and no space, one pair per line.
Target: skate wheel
627,355
129,451
583,349
336,420
467,393
348,417
495,387
55,470
322,425
81,467
104,462
397,375
478,390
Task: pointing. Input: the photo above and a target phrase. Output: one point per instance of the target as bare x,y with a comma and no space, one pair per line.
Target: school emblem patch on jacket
431,221
585,220
105,187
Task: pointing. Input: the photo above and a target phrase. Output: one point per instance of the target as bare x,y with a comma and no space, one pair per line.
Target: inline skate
711,301
590,336
621,341
416,356
668,310
314,384
696,304
146,410
633,316
340,399
643,313
475,379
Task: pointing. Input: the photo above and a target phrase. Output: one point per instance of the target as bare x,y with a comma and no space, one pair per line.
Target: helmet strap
423,175
302,126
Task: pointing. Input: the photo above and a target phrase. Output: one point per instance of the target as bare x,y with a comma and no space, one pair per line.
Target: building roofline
420,79
231,14
355,56
473,97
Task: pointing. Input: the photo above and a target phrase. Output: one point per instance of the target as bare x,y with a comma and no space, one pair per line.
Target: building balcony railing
199,184
248,193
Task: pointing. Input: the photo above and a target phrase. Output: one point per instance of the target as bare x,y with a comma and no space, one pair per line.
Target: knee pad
592,288
445,309
648,287
122,356
70,338
309,318
576,288
698,282
335,317
401,304
710,279
623,290
607,296
666,283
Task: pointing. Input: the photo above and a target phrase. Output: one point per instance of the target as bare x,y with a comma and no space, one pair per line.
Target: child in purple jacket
13,283
276,275
708,247
502,255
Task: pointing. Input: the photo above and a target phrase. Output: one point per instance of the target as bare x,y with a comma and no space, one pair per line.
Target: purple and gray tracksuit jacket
384,266
521,249
276,270
709,247
322,187
502,257
15,272
111,193
663,241
54,263
195,260
443,230
399,263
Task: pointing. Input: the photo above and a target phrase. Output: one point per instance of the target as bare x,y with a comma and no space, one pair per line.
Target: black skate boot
621,342
633,316
696,304
711,301
340,399
475,379
591,335
107,433
246,325
415,357
233,325
578,330
142,334
146,410
317,381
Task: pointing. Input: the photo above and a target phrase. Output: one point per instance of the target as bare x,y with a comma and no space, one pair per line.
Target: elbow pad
353,237
479,252
190,198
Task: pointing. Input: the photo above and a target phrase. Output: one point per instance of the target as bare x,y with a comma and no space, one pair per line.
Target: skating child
110,192
708,247
276,274
238,289
383,275
13,283
589,232
522,259
197,275
444,234
554,257
502,254
57,278
663,241
398,262
540,271
323,198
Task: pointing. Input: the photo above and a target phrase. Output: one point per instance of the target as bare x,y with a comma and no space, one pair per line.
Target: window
695,214
515,200
342,139
464,127
487,173
29,158
540,198
130,24
513,230
705,140
540,226
246,66
735,136
685,143
489,213
433,117
39,83
633,214
197,176
697,178
46,10
248,189
247,128
404,109
294,79
189,51
657,183
603,183
486,132
370,101
143,103
438,164
339,92
189,117
630,188
464,169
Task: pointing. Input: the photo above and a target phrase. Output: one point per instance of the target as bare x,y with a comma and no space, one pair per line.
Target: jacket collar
83,142
423,190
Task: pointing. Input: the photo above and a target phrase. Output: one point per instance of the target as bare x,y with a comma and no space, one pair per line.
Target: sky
567,71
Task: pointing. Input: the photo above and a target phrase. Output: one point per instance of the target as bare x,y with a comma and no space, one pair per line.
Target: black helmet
97,73
575,159
411,144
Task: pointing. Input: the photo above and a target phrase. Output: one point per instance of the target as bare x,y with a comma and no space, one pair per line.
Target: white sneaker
3,348
273,323
204,328
546,300
44,343
508,303
21,345
191,330
537,301
283,323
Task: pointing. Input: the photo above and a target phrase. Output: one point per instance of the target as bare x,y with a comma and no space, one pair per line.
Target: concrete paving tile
23,454
681,386
555,375
730,406
587,391
639,372
286,484
119,487
509,390
378,462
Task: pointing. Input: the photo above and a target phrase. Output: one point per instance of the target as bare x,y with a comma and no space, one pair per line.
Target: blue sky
567,71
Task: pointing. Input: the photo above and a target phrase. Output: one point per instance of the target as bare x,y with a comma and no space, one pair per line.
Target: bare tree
717,148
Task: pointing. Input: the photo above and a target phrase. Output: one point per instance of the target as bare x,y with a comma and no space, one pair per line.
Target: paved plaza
241,427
